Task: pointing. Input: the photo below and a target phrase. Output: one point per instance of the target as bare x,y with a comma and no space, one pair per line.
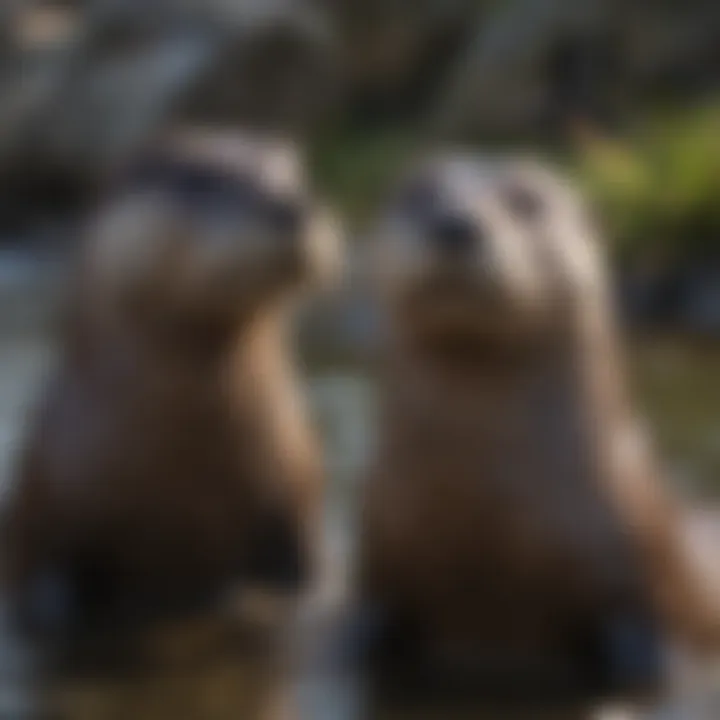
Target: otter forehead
275,160
505,193
268,164
441,180
467,180
508,221
219,175
217,205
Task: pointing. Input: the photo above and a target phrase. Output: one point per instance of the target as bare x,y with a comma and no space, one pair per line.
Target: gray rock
390,47
83,88
506,82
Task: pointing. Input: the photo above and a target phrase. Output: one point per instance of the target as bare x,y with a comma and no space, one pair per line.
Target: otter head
491,251
207,228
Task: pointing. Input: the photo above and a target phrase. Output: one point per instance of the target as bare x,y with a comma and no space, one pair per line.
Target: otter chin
509,541
170,459
455,318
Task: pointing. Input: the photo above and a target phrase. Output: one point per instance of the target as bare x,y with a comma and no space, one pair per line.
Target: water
678,387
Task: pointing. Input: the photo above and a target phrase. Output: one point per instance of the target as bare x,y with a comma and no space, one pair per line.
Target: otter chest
514,482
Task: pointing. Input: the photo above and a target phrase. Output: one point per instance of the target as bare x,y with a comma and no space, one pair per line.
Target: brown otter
513,535
171,455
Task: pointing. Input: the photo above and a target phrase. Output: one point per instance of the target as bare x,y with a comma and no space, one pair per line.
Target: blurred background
624,94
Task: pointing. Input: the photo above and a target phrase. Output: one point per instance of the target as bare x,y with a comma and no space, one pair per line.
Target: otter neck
574,372
194,353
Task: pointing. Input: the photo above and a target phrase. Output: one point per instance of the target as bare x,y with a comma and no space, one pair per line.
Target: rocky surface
542,60
83,82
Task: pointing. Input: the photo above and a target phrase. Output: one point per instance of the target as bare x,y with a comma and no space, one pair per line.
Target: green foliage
658,190
354,168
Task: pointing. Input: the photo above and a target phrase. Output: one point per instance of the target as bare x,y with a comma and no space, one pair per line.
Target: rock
282,74
32,287
537,60
79,90
671,47
394,52
500,83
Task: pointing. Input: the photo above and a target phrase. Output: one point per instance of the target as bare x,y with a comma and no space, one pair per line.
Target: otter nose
286,215
454,234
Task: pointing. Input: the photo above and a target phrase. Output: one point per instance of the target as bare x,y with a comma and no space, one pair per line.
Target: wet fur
170,458
513,517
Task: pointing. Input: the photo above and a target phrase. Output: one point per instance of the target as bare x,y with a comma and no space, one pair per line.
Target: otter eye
523,202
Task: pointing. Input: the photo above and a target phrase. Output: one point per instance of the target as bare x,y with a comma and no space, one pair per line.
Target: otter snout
288,215
455,236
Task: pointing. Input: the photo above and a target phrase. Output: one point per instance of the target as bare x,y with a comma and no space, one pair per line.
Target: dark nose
286,215
454,234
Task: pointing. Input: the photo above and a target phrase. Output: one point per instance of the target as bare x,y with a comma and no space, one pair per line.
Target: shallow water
678,387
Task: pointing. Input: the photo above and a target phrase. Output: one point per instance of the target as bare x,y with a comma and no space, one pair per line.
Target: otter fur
171,457
514,532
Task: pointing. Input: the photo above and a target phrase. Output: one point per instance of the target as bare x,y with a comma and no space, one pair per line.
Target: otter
171,459
515,537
